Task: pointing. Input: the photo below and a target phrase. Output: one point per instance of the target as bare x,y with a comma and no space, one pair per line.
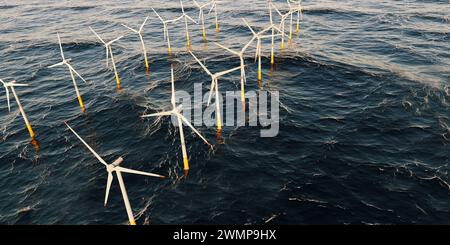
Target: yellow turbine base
259,75
272,60
80,101
35,143
188,40
219,125
219,135
30,131
185,163
118,80
170,51
146,64
132,222
217,26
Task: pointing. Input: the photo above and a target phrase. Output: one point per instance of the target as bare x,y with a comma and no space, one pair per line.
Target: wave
8,6
338,11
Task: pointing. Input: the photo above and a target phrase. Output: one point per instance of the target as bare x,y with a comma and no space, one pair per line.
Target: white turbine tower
176,111
139,32
114,167
11,86
109,52
72,71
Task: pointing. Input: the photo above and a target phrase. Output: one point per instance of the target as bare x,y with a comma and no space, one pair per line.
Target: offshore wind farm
356,130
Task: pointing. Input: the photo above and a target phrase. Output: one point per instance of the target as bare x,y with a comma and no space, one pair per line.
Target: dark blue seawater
364,119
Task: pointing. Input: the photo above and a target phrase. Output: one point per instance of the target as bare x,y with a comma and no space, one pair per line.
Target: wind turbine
114,167
291,11
282,22
272,59
259,36
139,32
273,27
176,111
201,17
297,9
166,30
109,52
72,71
214,7
215,85
11,86
186,17
240,54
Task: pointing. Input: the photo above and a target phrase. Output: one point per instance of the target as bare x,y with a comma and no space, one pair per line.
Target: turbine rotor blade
201,64
189,17
19,85
206,4
7,99
84,142
132,171
227,49
131,29
143,24
108,187
172,81
97,35
212,7
249,27
176,19
182,8
60,47
74,71
107,55
257,51
228,71
213,83
55,65
276,9
111,42
247,45
159,114
264,30
196,4
165,31
7,96
159,16
192,127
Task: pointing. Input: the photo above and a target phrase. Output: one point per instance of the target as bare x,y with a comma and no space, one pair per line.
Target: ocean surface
364,116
